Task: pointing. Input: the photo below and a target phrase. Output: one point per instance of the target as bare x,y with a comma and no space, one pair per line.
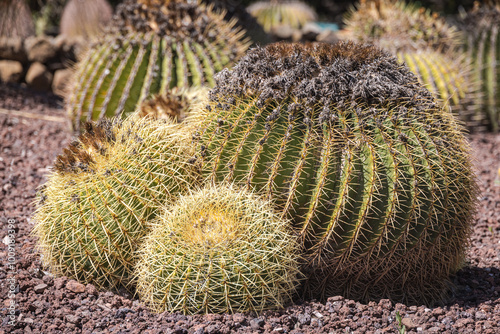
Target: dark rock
38,77
10,71
40,49
13,49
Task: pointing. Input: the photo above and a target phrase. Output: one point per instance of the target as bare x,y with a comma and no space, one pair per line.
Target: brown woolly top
81,154
343,74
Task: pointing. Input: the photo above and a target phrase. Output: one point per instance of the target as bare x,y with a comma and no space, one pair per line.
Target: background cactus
151,46
218,250
85,18
175,104
429,45
482,44
105,188
15,19
275,13
373,172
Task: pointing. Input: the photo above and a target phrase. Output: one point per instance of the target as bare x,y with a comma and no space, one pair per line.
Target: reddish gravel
46,304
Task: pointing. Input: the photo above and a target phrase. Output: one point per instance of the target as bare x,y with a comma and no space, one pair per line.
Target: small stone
91,290
304,319
257,323
71,318
409,323
278,330
10,71
438,311
39,77
40,49
75,287
61,80
28,321
317,314
13,49
283,32
40,288
60,282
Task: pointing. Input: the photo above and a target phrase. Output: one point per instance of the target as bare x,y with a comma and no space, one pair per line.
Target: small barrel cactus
428,44
374,173
105,188
276,13
482,44
85,19
15,19
151,46
219,249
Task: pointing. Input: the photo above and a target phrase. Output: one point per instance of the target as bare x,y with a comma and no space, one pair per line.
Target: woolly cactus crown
343,74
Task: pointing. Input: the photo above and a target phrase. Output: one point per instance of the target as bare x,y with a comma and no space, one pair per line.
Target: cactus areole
150,47
371,170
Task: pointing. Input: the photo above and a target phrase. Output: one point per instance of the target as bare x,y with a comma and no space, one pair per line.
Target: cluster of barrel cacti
309,169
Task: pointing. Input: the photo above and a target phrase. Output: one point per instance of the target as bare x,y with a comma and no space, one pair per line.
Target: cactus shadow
474,285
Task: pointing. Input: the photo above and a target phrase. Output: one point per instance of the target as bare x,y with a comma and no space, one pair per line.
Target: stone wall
43,63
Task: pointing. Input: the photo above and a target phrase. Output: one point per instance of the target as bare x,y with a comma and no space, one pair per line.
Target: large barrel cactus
374,173
482,44
428,44
219,249
103,193
150,47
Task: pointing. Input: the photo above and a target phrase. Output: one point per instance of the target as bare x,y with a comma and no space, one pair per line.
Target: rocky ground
47,304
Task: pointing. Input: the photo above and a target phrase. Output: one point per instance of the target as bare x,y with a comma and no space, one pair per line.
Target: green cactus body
450,80
482,44
372,172
275,13
219,249
147,50
105,188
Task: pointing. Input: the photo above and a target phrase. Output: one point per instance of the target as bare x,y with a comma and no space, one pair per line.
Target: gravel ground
47,304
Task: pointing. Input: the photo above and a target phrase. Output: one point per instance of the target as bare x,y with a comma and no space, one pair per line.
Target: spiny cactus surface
482,44
275,13
85,18
450,79
372,171
150,47
15,19
219,249
104,190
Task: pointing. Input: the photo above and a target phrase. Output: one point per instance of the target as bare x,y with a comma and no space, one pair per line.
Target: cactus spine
275,13
374,174
482,44
150,47
105,188
219,249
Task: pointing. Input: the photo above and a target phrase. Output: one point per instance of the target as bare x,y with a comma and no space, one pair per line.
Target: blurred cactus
218,250
429,45
15,19
372,171
104,190
482,45
372,20
275,13
150,47
85,18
